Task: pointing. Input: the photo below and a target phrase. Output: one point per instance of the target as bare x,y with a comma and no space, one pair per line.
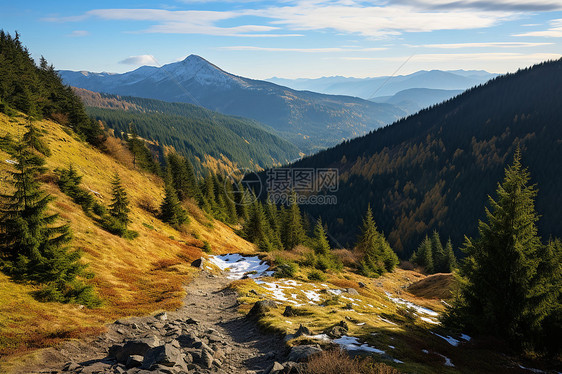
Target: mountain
368,88
207,138
413,100
434,170
308,119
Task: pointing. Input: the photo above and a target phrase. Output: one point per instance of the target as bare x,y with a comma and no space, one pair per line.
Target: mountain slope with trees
193,131
433,170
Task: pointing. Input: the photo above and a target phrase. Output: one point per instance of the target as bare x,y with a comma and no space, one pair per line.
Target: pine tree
119,207
171,211
424,255
31,247
506,272
450,262
378,257
34,140
321,245
437,253
293,232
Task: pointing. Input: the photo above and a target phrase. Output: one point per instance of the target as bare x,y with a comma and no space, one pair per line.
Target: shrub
316,275
285,269
207,247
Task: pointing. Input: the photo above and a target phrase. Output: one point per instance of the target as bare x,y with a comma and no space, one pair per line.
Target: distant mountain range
413,100
434,170
310,120
209,139
369,88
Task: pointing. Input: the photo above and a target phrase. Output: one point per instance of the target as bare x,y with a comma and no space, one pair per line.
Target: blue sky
291,38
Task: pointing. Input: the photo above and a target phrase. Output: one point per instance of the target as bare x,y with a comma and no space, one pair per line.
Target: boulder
166,355
303,330
71,366
188,340
335,332
351,291
199,263
289,311
96,367
361,284
161,316
132,347
206,359
261,307
301,353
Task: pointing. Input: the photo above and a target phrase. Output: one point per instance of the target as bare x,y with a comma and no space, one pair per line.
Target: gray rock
294,367
96,368
133,347
187,340
361,284
351,291
166,355
289,311
206,359
199,263
276,368
261,307
161,316
303,352
303,330
70,366
134,361
336,332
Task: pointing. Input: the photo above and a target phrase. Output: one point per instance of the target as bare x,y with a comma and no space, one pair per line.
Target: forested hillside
434,170
198,133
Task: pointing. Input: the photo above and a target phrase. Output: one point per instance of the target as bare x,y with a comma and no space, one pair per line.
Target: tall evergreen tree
506,272
437,253
450,262
32,248
293,232
171,211
424,255
378,257
321,245
119,207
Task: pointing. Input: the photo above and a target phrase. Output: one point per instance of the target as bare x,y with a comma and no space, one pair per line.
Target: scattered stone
133,347
166,355
161,316
95,368
253,292
289,311
190,321
134,361
301,353
71,366
188,340
351,291
206,359
294,367
303,330
276,368
361,284
261,307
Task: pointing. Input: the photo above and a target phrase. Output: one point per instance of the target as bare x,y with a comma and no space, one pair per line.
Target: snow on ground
447,361
429,320
465,337
239,265
313,296
454,342
352,343
408,304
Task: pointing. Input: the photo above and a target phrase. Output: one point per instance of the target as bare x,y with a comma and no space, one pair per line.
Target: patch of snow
391,347
291,282
324,285
397,361
387,321
429,320
425,351
239,265
322,337
351,343
312,296
465,337
335,292
447,361
531,369
408,304
289,322
360,323
454,342
11,162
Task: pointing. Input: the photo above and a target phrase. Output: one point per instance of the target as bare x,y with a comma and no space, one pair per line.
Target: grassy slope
133,277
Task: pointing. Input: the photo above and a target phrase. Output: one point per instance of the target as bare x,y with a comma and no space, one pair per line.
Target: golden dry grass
133,277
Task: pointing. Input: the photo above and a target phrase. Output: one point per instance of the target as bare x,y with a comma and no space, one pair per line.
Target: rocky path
206,335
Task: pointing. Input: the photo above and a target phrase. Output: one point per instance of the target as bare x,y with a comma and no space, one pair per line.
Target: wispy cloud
140,60
554,31
484,45
78,33
487,5
441,57
300,50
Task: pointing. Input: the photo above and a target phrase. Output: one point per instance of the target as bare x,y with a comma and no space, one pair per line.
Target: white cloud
555,30
79,33
494,5
484,45
140,60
